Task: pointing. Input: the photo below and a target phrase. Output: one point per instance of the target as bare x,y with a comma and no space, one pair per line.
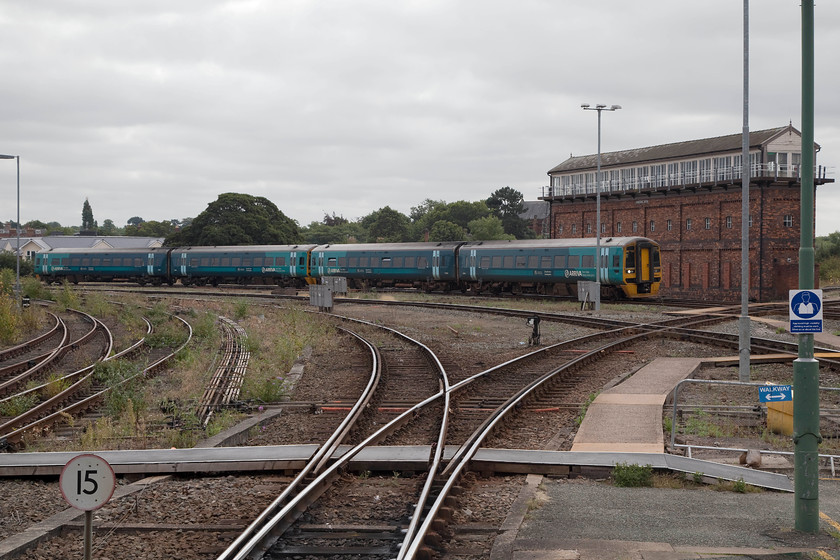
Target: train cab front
642,269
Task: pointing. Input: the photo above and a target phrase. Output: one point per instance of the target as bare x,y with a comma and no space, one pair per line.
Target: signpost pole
88,535
806,405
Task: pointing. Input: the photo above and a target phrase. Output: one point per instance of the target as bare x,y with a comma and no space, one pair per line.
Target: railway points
563,463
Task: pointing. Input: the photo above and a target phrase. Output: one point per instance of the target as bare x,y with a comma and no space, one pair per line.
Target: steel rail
315,465
276,519
14,351
61,351
459,462
88,402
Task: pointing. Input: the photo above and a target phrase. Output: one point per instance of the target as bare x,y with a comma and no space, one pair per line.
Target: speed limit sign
87,482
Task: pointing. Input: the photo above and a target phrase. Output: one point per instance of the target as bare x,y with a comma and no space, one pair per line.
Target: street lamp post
17,252
599,108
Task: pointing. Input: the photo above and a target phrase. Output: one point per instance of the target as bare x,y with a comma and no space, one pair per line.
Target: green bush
632,476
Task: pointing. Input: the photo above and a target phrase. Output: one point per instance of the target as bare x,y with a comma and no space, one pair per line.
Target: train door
150,264
473,271
292,264
643,270
436,265
183,264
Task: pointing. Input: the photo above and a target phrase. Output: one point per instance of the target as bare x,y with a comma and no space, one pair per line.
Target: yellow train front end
642,269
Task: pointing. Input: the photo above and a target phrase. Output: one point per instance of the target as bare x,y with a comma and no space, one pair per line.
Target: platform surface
628,416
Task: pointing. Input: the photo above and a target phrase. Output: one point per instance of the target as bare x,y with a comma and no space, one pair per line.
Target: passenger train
630,266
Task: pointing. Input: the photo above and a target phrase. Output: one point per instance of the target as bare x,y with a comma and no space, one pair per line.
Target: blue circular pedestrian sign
805,304
805,311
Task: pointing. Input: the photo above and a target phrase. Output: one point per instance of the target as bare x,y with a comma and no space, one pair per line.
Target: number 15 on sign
87,482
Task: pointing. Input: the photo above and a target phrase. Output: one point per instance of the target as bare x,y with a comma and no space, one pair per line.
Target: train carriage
285,265
420,265
554,266
102,265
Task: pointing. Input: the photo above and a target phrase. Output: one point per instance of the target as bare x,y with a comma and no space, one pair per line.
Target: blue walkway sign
806,314
775,393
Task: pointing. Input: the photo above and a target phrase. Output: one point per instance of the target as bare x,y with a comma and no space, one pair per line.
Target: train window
574,261
332,261
247,261
281,261
138,261
65,261
86,261
236,261
354,262
374,261
587,261
616,261
409,262
533,261
225,261
118,261
76,261
398,262
205,261
497,261
656,257
630,257
342,261
422,262
96,262
545,262
214,261
194,262
364,261
259,261
386,262
559,261
508,259
484,262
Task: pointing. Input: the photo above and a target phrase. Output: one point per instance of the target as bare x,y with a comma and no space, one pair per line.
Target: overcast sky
154,108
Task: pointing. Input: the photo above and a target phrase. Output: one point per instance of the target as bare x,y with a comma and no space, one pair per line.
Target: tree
386,225
507,204
484,229
135,221
88,223
109,228
238,219
446,231
35,224
150,229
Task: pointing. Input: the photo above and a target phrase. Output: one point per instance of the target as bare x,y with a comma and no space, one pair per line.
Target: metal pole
598,220
744,319
17,262
88,535
806,404
599,107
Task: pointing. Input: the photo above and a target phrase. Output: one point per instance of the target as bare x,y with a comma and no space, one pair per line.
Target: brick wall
700,236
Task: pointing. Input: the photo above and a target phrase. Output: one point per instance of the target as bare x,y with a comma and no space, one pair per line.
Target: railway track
73,394
312,528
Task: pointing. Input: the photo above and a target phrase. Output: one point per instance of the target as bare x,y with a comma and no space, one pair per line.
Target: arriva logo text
574,273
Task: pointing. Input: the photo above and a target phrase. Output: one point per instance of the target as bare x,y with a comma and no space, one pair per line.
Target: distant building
687,196
538,215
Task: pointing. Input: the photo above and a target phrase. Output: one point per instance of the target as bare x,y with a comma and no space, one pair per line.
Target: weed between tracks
160,411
